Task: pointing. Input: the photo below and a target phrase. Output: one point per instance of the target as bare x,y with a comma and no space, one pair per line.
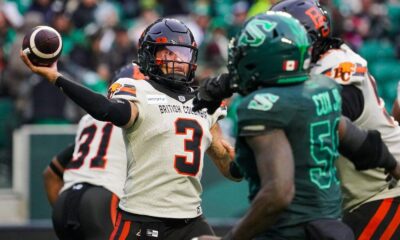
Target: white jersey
165,149
99,156
347,67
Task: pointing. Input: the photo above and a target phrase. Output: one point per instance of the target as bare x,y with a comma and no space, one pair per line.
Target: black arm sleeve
366,149
353,102
65,156
62,158
54,168
117,111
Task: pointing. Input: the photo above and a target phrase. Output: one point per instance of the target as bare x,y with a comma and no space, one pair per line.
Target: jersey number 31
98,161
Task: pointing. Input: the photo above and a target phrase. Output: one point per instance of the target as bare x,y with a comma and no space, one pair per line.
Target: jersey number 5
98,161
324,152
182,164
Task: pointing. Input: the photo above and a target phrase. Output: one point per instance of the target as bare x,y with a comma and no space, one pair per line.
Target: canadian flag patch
290,65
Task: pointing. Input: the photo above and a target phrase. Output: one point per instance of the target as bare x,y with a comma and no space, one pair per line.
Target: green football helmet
271,49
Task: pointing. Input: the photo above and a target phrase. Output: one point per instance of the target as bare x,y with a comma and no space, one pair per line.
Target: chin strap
173,85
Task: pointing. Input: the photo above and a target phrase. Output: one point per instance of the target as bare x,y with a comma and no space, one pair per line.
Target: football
42,45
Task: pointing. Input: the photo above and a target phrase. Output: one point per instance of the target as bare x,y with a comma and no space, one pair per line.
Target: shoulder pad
123,88
343,65
131,70
264,109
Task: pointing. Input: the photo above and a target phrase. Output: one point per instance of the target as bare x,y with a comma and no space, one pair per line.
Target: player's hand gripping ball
42,45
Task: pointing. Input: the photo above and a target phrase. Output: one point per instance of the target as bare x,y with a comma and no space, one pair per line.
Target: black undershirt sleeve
117,111
62,158
65,156
54,168
352,102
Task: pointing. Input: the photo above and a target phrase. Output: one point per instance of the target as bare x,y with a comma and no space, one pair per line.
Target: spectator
84,13
122,49
239,16
15,78
43,7
147,16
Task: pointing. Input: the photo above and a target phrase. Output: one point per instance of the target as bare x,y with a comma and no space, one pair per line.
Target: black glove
235,170
392,182
211,93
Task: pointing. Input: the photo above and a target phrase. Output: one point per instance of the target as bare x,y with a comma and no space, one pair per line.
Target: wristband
56,170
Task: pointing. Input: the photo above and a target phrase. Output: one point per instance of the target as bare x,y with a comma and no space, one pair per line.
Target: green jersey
309,114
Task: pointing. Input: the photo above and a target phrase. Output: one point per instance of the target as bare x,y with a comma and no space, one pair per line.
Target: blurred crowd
101,36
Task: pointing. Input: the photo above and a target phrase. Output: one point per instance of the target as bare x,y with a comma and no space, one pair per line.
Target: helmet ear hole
274,33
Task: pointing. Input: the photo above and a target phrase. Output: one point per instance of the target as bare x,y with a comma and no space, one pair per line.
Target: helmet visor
181,53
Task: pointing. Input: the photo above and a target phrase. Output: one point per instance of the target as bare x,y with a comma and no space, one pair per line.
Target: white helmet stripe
39,53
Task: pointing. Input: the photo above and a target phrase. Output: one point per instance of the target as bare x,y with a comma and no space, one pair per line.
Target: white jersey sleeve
342,65
124,88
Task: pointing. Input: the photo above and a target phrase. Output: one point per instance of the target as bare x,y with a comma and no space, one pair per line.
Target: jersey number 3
98,161
182,164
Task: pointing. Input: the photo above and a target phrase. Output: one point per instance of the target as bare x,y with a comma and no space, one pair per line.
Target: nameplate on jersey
156,99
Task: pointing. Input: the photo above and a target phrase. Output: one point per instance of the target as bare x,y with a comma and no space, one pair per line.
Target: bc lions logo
113,89
344,71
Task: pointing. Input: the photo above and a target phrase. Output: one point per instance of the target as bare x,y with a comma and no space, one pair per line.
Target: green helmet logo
271,49
255,35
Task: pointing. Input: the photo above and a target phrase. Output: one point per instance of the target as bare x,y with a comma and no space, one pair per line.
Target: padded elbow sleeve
65,156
